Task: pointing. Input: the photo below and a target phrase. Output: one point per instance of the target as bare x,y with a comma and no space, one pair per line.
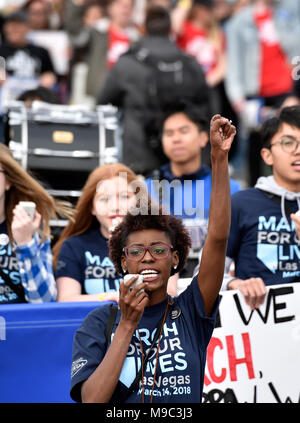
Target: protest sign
254,356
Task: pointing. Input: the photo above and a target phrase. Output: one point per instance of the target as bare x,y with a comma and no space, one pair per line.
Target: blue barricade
36,350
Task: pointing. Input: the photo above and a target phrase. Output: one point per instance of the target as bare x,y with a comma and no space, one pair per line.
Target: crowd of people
93,52
184,166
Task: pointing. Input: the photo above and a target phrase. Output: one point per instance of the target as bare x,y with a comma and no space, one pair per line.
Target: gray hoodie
268,184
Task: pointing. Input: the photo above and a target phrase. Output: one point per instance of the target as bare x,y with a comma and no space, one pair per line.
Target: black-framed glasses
288,144
157,251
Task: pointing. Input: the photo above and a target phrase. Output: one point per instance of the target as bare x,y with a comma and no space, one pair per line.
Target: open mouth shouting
149,275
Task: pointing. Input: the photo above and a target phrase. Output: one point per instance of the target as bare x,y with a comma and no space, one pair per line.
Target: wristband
102,297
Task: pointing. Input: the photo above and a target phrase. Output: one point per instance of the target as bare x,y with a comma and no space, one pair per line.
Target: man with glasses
263,242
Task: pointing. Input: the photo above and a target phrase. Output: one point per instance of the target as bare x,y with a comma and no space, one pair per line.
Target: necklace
170,302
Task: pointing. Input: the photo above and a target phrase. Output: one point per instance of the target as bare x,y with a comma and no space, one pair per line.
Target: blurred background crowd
248,51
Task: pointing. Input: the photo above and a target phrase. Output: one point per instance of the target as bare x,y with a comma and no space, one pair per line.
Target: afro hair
154,219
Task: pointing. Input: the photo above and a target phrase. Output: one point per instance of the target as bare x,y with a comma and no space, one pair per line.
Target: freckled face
113,198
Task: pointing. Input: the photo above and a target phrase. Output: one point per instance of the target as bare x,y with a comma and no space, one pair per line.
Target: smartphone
297,213
137,282
29,207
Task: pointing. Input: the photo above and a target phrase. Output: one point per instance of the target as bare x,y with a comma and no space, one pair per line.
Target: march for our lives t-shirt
9,265
85,258
261,242
182,353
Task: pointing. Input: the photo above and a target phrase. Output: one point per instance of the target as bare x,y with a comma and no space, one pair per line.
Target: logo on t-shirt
4,239
9,265
60,264
267,31
22,65
172,377
77,365
100,274
278,246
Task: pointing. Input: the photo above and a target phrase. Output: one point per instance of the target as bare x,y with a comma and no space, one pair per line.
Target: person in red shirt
276,71
198,33
120,14
261,44
102,41
201,36
260,49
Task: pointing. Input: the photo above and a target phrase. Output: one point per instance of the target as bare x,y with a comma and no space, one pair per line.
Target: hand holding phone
137,282
23,228
29,207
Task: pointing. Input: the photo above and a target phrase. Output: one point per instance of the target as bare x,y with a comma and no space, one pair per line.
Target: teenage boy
183,185
263,242
184,136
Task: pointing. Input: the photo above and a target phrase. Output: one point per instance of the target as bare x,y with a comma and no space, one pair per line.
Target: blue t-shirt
85,258
9,265
187,197
260,242
181,358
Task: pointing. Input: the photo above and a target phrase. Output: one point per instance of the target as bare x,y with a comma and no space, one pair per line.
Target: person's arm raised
180,14
211,269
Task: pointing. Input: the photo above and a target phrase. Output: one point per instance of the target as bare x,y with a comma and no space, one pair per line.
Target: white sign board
254,356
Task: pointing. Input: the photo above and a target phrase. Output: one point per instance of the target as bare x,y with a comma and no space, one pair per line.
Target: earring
175,267
124,270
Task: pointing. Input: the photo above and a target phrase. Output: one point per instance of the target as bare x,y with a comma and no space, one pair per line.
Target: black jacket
126,88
